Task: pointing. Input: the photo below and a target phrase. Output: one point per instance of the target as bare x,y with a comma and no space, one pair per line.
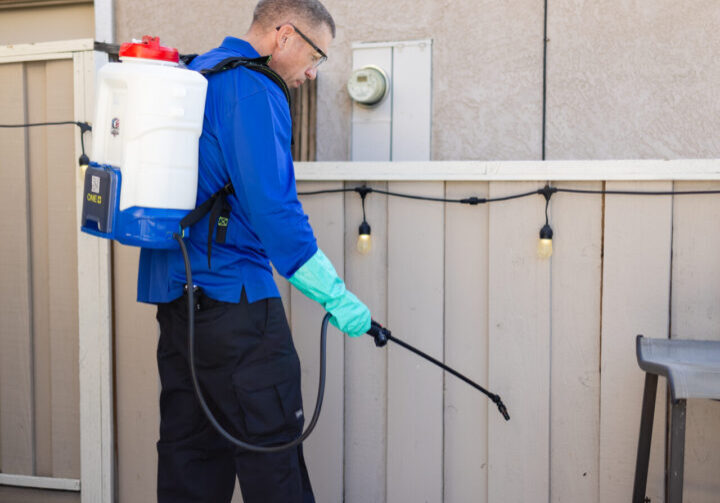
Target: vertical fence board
466,345
40,250
63,285
415,314
696,315
324,449
519,348
636,281
137,386
365,364
16,397
575,359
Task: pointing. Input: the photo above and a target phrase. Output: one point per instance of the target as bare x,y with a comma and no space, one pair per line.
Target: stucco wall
46,24
630,79
625,79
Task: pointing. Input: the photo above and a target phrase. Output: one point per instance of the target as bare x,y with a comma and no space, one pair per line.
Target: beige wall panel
62,286
324,449
365,364
46,24
466,345
487,101
487,89
415,314
16,399
519,348
633,79
21,495
40,249
191,26
575,359
696,315
636,280
137,385
625,80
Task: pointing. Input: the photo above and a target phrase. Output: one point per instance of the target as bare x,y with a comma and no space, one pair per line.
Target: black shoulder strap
186,59
259,65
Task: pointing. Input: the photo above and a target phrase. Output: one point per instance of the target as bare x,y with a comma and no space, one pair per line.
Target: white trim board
627,170
48,48
104,29
39,482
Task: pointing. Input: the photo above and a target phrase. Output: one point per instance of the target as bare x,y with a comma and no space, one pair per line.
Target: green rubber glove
317,279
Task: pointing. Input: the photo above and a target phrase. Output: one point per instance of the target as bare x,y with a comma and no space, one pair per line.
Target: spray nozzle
501,407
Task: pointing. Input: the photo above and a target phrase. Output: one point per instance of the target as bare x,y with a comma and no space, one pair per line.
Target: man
246,362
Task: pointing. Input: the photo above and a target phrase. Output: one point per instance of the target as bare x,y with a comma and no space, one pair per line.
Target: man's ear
282,36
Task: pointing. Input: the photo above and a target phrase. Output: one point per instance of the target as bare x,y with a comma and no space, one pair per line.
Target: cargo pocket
269,397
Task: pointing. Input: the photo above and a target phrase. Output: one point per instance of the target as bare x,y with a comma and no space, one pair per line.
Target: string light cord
84,128
468,200
639,193
547,192
61,123
473,200
364,191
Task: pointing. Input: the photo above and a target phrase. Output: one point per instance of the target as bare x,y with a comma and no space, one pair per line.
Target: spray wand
382,335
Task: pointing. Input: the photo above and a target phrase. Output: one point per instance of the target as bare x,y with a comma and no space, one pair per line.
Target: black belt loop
197,295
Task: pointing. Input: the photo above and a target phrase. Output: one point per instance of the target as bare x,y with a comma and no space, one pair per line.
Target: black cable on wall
544,79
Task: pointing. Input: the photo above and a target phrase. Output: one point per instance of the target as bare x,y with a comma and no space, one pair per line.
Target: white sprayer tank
148,120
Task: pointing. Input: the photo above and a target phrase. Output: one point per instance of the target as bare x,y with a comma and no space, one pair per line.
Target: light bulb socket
546,232
364,228
84,161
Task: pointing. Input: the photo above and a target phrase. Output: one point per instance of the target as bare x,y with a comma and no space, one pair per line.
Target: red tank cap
150,48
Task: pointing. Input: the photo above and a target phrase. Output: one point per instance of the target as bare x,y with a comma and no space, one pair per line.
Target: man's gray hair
269,12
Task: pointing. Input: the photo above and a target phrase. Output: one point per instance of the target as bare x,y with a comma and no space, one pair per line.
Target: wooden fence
555,338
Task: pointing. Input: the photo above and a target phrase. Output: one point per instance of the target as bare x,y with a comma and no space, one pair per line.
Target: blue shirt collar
240,46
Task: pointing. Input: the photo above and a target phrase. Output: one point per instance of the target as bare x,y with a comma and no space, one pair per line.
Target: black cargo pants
249,373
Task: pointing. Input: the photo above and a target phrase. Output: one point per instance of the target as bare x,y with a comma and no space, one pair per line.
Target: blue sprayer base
135,226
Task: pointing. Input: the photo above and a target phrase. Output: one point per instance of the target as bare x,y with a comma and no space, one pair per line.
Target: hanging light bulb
84,162
364,243
545,248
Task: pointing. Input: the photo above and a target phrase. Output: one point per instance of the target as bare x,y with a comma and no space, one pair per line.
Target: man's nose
311,73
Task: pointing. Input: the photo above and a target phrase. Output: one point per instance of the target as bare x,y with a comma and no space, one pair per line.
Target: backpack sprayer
141,186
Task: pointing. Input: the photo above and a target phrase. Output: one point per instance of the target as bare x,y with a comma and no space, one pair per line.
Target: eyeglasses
319,60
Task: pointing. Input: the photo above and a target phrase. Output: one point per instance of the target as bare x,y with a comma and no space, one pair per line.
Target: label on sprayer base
135,226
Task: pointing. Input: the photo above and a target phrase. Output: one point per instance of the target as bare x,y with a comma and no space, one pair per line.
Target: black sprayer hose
191,355
377,331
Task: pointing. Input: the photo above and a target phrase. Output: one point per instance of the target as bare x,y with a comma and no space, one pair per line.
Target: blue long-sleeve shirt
246,140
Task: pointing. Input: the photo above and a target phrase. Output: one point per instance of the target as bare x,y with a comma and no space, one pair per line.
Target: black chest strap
217,204
219,208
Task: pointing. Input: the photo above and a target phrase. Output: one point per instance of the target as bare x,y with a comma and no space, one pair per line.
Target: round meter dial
368,85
